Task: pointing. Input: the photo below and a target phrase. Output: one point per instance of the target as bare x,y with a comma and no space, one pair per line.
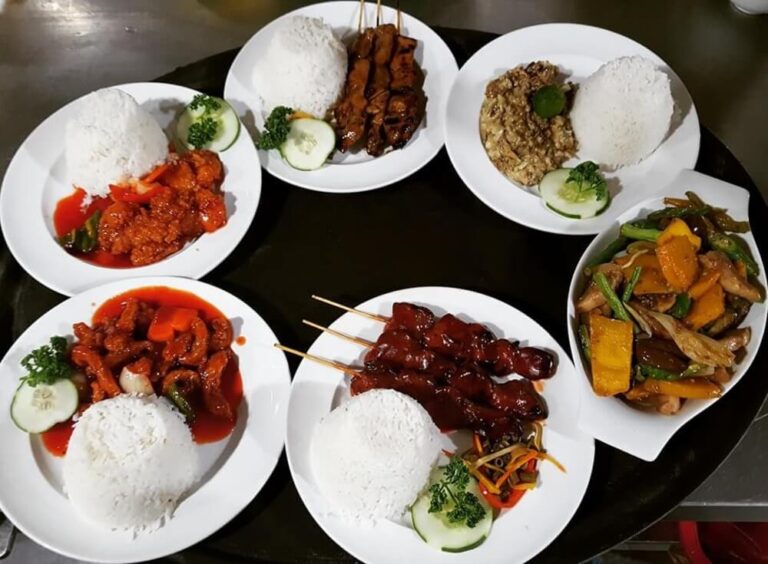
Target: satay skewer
351,338
373,316
319,360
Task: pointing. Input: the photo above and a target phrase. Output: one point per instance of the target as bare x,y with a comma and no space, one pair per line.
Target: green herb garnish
208,103
275,128
452,486
587,177
202,132
48,363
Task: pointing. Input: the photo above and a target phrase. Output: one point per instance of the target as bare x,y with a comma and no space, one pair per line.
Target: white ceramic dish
578,50
353,172
234,469
612,421
37,179
532,524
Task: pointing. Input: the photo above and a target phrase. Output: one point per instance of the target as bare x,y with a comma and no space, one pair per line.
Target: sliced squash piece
689,388
610,355
678,228
706,308
678,262
705,282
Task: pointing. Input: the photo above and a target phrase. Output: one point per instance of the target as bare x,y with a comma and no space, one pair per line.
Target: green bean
668,213
730,246
629,288
610,296
584,341
640,233
657,373
681,307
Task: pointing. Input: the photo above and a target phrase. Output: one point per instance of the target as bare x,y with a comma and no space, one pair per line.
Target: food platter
578,50
353,172
363,232
244,460
37,178
641,433
316,389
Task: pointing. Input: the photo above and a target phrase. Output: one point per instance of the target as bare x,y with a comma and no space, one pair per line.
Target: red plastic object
726,543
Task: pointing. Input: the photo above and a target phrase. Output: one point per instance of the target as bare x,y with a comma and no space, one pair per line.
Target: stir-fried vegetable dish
659,321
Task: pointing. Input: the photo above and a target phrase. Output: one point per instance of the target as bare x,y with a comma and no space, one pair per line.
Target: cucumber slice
563,197
37,409
439,533
227,126
309,143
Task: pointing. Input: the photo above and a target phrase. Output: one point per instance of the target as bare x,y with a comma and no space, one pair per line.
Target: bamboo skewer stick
351,338
373,316
398,16
378,12
325,362
360,17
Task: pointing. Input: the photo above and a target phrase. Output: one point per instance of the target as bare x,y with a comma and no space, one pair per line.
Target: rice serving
304,68
622,112
372,456
129,461
111,139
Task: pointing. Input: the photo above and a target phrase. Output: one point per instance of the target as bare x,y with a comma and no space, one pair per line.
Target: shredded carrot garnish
550,458
524,486
478,444
515,465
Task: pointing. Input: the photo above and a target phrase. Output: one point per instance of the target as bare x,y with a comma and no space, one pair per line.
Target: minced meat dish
520,143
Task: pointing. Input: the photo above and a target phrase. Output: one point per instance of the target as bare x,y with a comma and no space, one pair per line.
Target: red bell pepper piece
142,193
169,320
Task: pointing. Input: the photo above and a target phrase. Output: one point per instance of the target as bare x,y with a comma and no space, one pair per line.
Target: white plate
519,533
235,469
612,421
352,172
37,179
578,51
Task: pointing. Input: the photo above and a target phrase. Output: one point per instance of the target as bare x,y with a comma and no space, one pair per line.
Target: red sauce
240,340
70,214
157,296
207,428
56,439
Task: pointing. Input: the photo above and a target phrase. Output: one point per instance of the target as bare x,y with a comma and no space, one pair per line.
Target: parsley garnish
587,177
275,128
48,363
202,132
452,486
209,103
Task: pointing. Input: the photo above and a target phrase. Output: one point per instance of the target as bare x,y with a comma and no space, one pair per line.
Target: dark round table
426,230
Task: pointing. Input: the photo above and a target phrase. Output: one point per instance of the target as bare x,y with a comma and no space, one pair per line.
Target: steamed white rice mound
110,139
622,112
129,461
304,67
373,455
